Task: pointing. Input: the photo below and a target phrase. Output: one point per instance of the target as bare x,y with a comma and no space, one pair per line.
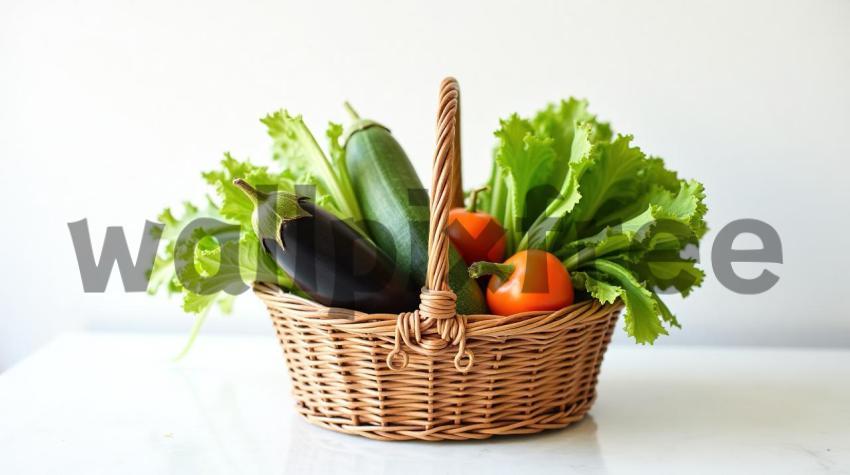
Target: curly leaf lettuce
296,149
526,162
620,220
216,258
561,122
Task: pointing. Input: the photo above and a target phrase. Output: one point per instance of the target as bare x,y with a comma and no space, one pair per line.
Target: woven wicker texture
431,374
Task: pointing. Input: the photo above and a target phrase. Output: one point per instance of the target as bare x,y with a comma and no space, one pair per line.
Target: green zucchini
385,184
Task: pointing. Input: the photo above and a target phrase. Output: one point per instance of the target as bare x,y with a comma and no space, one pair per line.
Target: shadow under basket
432,374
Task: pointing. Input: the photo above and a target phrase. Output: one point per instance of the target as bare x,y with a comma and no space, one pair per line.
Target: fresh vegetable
530,280
617,218
297,151
327,258
299,162
562,183
395,206
476,235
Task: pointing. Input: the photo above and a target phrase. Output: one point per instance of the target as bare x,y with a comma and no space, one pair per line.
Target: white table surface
115,403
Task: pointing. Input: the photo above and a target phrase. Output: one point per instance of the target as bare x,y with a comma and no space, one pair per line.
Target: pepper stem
351,112
473,198
482,268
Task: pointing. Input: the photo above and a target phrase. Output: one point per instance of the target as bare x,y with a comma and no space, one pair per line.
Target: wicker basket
431,374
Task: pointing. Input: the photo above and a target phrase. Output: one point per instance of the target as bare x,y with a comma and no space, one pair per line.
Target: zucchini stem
482,268
351,112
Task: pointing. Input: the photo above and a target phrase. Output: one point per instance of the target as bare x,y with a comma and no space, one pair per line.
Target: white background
109,110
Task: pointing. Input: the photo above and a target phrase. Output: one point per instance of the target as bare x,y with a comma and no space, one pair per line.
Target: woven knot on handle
431,328
437,304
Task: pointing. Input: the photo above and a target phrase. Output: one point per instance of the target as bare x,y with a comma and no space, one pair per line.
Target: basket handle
436,324
445,184
457,175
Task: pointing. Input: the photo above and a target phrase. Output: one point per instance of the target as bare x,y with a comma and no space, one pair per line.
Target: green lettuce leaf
559,122
226,256
642,315
670,222
643,256
526,162
335,145
596,287
610,184
621,221
234,204
548,227
296,149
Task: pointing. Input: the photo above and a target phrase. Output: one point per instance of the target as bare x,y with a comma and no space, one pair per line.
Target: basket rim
312,313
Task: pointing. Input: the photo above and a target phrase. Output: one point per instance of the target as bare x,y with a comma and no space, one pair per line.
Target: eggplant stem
482,268
256,196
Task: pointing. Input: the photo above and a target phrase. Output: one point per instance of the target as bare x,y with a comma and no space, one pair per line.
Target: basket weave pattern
432,374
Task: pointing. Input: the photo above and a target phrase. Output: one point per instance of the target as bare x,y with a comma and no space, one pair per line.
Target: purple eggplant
327,258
